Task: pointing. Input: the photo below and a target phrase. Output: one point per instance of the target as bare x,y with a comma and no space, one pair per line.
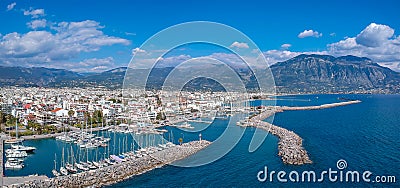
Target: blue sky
93,36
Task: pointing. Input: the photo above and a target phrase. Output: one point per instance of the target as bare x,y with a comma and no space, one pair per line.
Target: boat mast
55,163
16,124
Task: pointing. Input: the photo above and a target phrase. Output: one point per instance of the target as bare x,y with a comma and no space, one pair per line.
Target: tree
98,116
1,117
71,113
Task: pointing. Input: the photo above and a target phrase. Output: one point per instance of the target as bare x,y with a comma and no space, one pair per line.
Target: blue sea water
366,135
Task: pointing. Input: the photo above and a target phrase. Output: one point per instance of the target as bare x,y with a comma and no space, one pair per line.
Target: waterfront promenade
120,171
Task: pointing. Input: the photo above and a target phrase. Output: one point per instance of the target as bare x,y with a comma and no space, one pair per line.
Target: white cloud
35,24
11,6
138,50
239,45
286,46
374,35
130,34
88,65
332,34
66,41
35,13
375,42
275,56
95,65
309,33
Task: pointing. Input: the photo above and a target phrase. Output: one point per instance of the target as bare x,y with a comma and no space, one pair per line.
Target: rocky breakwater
120,171
290,144
331,105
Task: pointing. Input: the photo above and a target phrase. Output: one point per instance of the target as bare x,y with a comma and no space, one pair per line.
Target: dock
118,172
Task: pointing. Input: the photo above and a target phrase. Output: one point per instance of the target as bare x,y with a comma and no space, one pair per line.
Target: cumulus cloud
35,13
35,24
11,6
309,33
275,56
374,35
376,42
66,41
239,45
138,50
94,65
286,46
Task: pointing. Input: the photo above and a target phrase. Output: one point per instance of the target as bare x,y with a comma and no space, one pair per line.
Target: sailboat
70,166
63,170
54,171
14,140
17,147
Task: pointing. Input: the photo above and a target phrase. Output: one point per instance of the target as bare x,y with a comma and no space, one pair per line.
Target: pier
290,146
324,106
120,171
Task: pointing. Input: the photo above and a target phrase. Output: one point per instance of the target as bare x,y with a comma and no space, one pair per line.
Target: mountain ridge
305,73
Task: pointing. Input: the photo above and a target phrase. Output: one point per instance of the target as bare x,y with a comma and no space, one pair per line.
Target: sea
361,138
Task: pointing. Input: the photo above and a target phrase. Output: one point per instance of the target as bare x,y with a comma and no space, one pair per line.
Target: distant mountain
324,73
301,74
35,76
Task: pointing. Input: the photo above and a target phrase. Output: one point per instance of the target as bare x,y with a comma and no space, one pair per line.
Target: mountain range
301,74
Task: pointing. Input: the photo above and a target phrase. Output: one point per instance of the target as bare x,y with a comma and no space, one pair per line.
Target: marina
120,170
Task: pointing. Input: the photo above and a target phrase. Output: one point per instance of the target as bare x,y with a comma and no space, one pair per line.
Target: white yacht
13,165
10,153
23,148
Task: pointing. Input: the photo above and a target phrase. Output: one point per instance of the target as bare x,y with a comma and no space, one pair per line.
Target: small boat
29,149
13,165
71,168
55,173
109,161
82,167
15,154
96,164
90,165
63,171
186,125
13,141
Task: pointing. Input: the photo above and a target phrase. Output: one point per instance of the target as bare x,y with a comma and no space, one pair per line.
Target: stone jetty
120,171
290,144
331,105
